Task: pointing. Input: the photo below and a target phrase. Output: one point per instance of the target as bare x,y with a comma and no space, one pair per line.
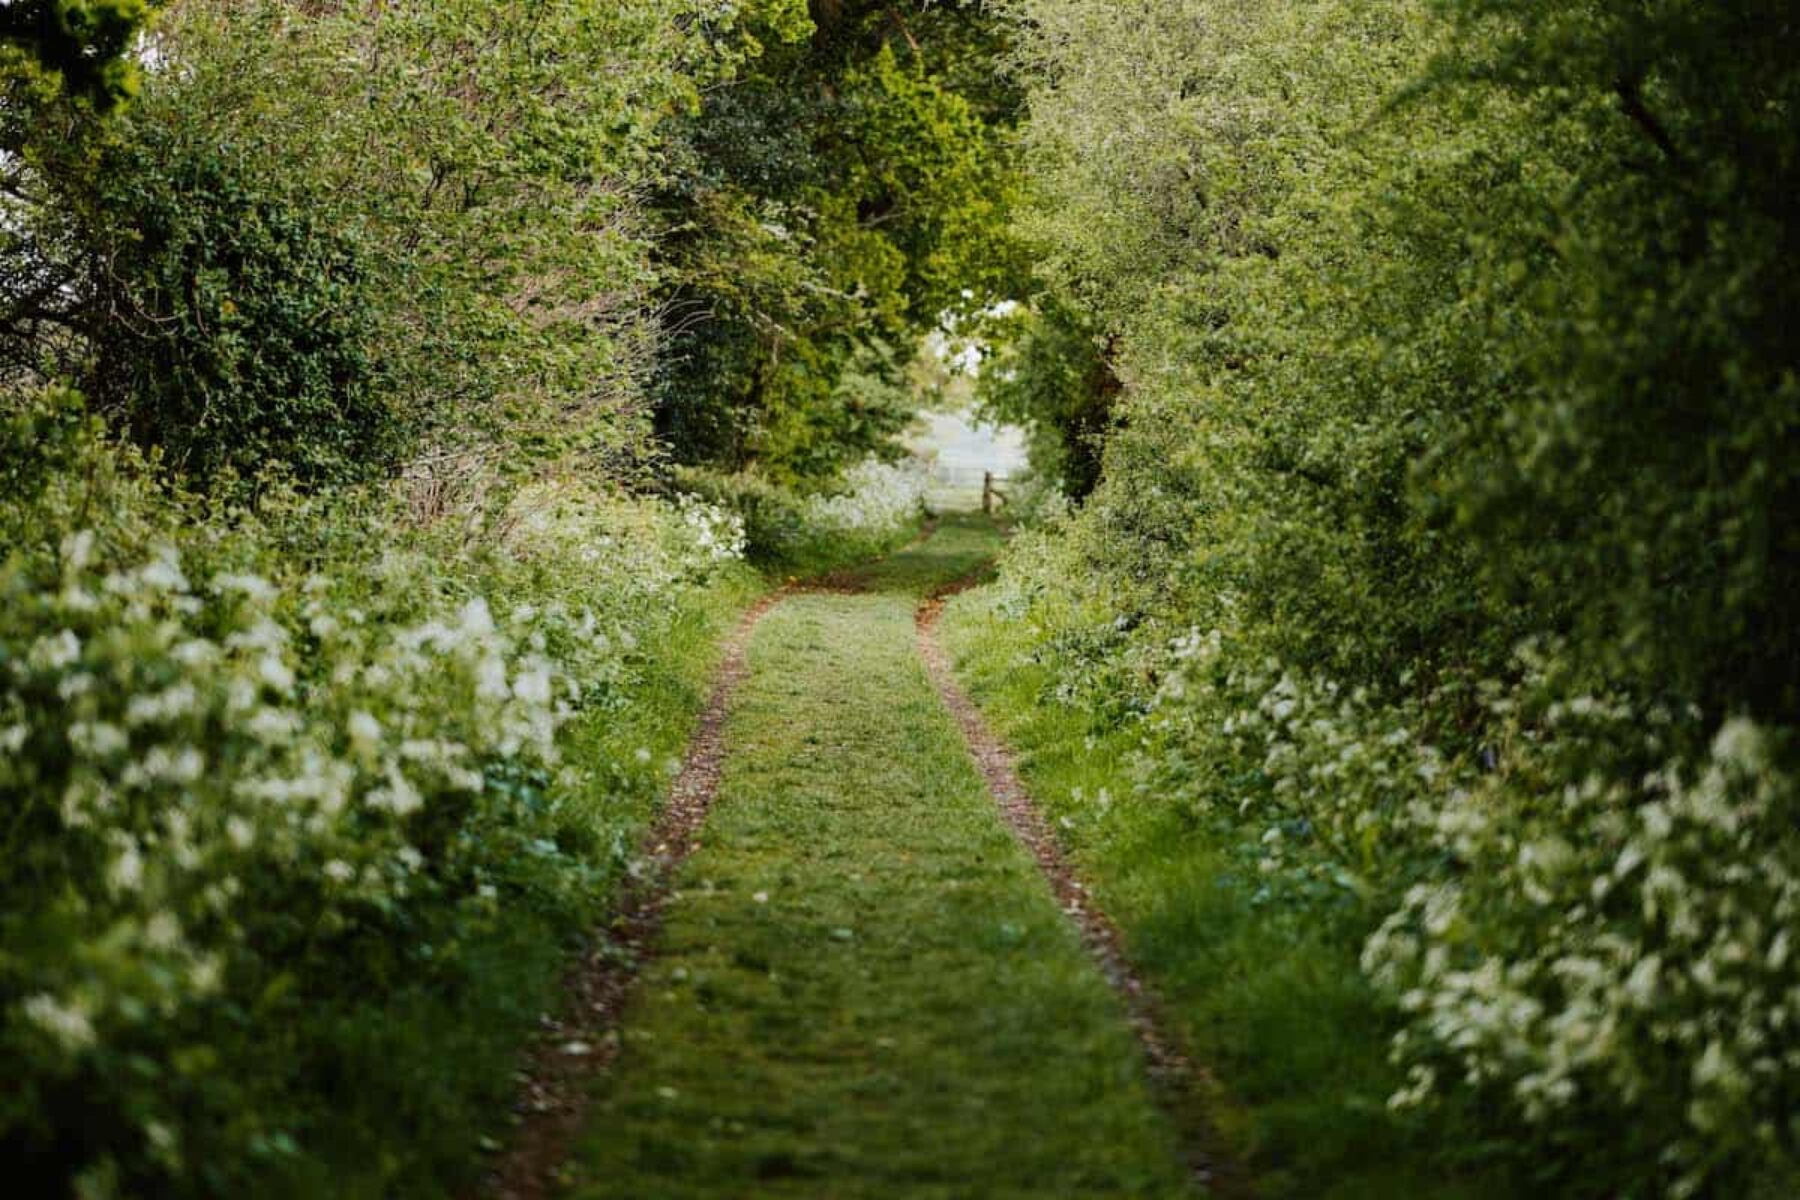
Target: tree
336,238
831,205
82,43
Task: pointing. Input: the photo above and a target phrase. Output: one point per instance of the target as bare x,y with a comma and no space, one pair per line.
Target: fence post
987,493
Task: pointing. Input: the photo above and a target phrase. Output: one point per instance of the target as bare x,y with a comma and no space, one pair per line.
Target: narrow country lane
864,986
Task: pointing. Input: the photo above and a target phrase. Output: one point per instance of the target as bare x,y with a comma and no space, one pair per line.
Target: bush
875,506
1615,954
1440,550
1585,924
247,318
288,793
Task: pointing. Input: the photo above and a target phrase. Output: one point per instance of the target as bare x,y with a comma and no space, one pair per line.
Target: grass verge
1271,1001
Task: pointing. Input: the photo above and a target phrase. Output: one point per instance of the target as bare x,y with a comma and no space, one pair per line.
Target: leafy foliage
871,510
83,44
240,322
338,675
834,202
1456,433
1049,375
283,783
411,233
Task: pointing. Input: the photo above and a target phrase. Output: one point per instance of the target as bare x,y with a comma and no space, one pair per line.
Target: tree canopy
835,202
82,44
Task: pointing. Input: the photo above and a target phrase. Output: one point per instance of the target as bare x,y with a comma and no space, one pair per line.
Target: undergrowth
306,803
1263,985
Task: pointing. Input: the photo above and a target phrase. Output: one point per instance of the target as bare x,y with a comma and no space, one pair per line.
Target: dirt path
583,1040
856,984
1180,1084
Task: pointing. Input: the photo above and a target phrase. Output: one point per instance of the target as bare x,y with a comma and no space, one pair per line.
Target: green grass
669,680
825,553
423,1073
865,988
1272,1001
960,545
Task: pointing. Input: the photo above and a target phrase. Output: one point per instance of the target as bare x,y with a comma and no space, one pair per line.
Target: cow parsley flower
68,1023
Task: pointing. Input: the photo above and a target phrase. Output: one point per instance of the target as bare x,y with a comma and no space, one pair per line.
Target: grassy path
865,988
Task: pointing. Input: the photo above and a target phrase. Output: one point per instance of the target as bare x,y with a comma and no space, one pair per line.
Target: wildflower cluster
878,500
1616,944
645,549
1585,920
1298,760
873,506
244,783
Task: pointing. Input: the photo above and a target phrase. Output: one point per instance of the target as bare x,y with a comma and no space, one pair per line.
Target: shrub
773,516
1615,953
1585,923
272,772
877,499
243,321
1440,544
1580,903
873,506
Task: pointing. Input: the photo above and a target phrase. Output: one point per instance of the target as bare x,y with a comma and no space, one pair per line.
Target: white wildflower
264,635
78,550
533,687
127,871
274,726
1740,744
252,587
196,653
167,766
365,733
205,974
69,1024
55,652
275,674
1641,986
163,573
475,619
98,739
399,797
490,678
162,932
171,704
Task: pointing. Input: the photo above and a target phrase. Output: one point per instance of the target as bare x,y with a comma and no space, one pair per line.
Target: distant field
962,451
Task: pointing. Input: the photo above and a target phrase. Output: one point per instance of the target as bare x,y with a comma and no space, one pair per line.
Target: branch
905,29
1631,98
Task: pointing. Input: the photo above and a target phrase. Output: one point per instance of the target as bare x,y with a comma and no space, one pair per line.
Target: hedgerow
1438,558
270,770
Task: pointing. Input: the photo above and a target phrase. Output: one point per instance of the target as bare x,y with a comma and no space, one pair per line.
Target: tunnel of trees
1414,408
